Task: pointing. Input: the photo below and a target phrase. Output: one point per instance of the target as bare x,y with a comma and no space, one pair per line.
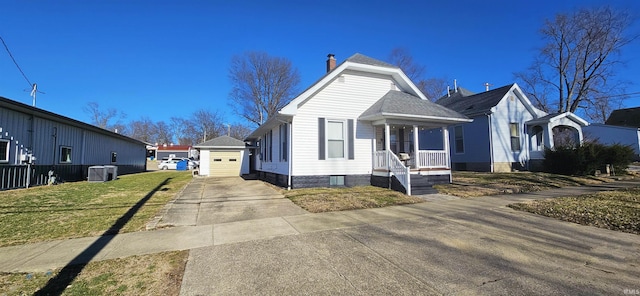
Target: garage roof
222,142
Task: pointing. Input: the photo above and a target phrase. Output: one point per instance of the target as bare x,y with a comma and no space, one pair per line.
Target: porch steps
421,185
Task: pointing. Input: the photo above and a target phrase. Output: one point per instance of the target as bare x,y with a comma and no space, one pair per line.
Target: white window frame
344,138
515,137
70,158
5,158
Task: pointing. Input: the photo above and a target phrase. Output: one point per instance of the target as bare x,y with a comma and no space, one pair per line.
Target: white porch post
387,145
416,148
447,147
547,133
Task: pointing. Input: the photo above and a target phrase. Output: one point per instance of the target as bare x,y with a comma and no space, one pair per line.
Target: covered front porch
402,154
552,131
396,155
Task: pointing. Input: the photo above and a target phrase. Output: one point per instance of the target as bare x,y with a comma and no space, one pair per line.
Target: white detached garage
223,156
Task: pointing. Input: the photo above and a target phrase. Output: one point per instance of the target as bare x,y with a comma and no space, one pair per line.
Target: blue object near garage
182,165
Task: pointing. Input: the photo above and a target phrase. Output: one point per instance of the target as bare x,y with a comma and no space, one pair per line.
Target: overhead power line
32,86
16,63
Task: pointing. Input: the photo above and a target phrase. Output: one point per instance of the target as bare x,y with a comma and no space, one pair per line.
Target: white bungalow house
357,125
508,132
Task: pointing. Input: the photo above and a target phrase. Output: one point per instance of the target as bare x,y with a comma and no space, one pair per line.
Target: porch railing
380,160
433,159
19,176
396,167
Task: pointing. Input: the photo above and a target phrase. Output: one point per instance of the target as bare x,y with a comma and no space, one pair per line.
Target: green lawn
80,209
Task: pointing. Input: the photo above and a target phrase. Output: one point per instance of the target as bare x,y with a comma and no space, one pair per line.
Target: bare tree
432,88
239,131
205,125
143,130
103,118
578,61
262,84
178,128
163,133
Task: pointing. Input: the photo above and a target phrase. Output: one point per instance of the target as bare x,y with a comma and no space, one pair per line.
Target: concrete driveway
208,201
456,247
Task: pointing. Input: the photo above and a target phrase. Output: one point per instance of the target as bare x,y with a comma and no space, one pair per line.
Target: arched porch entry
553,130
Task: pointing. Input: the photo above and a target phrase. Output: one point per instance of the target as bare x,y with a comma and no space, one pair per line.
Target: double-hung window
4,151
514,131
335,139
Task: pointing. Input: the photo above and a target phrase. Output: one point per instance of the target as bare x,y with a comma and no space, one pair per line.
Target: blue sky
160,58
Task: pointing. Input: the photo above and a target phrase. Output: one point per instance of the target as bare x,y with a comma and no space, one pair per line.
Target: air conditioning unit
102,173
97,173
112,172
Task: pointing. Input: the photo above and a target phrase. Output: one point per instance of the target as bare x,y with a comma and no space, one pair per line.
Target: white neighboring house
350,127
223,156
508,132
622,127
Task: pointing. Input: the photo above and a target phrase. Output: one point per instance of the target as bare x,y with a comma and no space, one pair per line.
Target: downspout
289,152
490,142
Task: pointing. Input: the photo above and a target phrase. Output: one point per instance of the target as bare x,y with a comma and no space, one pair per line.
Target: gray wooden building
38,141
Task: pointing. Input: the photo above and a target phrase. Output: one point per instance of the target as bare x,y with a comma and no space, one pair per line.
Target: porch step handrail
387,160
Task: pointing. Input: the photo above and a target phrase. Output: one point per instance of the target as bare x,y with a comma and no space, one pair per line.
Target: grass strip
317,200
474,184
156,274
615,210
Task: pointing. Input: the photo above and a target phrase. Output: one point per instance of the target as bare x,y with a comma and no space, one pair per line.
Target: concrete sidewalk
472,246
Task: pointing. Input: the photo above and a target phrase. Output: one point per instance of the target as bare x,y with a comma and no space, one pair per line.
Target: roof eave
413,117
269,124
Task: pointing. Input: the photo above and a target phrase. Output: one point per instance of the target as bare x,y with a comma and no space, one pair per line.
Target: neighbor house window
114,157
65,154
335,139
458,139
514,130
4,151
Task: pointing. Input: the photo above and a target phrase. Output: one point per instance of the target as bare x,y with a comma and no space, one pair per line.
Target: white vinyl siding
353,96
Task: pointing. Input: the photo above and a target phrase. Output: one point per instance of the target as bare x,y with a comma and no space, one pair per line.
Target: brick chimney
331,62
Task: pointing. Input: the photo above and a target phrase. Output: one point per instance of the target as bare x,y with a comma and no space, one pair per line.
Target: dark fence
23,176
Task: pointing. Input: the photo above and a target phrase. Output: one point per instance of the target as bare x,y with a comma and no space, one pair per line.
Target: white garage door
224,163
